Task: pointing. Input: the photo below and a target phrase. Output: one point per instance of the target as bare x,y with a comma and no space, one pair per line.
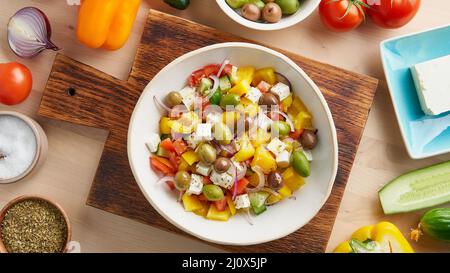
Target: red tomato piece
221,205
263,86
167,145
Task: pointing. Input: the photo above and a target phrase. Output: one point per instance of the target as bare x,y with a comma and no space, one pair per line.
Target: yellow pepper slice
214,214
245,74
240,89
165,125
387,236
292,179
265,74
260,137
303,120
191,202
264,159
203,211
246,150
285,191
231,205
191,157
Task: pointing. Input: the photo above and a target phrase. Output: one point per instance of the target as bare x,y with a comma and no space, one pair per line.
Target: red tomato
16,82
167,145
242,184
227,70
342,15
211,69
393,13
221,205
195,77
296,134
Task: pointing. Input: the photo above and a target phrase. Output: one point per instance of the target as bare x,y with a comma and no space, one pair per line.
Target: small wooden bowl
34,197
41,145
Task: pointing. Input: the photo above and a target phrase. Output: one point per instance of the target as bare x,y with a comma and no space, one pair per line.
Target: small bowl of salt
23,146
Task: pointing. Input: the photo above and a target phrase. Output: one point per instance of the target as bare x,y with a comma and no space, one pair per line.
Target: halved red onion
261,180
215,86
222,67
283,79
160,104
29,33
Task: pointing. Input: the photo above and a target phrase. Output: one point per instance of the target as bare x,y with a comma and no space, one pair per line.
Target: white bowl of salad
234,144
268,14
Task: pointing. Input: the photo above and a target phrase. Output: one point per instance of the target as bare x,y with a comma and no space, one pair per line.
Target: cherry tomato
15,83
393,13
342,15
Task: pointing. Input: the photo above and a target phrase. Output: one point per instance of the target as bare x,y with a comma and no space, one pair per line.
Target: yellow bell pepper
286,103
382,237
231,205
203,211
183,166
245,74
265,74
191,202
247,107
186,124
292,179
106,23
240,88
246,149
214,214
285,191
165,125
191,157
303,120
264,159
260,137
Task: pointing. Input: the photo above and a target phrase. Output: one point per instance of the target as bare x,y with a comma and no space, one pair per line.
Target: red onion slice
163,179
288,119
29,33
248,216
215,86
261,180
160,104
222,67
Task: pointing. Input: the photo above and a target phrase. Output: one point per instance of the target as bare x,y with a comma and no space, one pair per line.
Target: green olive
174,98
207,153
300,163
222,164
182,180
212,192
230,99
308,139
288,7
222,133
280,128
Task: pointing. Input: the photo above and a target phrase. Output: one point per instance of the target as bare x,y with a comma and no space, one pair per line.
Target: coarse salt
18,146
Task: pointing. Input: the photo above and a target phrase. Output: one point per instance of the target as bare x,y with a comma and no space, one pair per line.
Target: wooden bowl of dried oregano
34,224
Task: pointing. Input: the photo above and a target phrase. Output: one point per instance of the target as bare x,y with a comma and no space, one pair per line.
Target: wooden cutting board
82,95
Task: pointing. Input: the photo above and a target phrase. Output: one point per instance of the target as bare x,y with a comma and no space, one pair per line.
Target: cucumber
416,190
224,83
258,201
205,85
436,224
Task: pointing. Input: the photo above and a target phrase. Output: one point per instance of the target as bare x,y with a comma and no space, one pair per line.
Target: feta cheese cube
276,146
153,143
281,90
283,159
253,94
213,118
196,185
239,167
224,180
433,85
264,122
191,140
203,169
203,132
242,201
188,95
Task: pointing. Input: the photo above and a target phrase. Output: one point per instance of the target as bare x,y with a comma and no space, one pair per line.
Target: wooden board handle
80,94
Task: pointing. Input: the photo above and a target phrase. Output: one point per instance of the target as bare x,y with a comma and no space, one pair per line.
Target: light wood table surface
75,151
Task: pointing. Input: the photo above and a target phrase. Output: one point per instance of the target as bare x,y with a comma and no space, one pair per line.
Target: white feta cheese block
283,159
213,118
242,201
264,122
203,169
433,85
276,146
224,180
253,94
196,184
188,95
281,90
203,132
153,143
192,140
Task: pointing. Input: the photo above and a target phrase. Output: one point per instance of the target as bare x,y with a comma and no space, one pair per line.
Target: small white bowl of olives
268,14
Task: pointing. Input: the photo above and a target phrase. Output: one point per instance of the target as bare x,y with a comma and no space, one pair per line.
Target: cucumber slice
258,201
224,83
416,190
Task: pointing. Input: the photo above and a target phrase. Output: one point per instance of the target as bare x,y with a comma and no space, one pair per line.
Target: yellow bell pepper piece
265,74
230,118
287,102
260,137
165,124
214,214
264,159
240,88
297,106
387,236
248,108
106,23
285,191
231,205
245,74
253,180
246,150
272,199
183,166
292,179
191,202
186,124
303,120
203,211
191,157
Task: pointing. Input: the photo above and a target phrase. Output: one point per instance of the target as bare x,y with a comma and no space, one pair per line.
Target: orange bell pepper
106,23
